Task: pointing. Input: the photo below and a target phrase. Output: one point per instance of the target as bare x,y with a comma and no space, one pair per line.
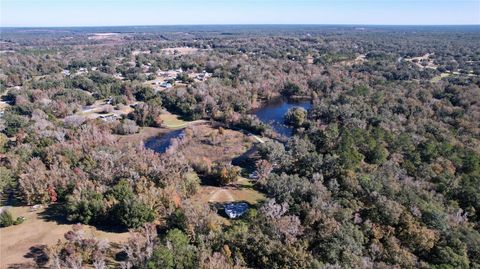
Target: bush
225,173
3,143
191,183
19,220
6,179
127,127
252,124
6,219
295,117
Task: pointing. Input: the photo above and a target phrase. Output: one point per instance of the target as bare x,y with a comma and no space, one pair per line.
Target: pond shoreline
270,112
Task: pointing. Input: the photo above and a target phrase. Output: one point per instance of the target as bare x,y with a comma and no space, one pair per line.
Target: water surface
273,113
161,143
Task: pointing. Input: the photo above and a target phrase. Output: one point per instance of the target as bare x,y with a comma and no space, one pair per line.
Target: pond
161,143
272,113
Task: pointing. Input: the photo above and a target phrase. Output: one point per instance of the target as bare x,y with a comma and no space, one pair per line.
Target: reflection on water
160,144
273,112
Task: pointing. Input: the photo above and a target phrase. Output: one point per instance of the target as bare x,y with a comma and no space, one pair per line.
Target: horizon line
235,24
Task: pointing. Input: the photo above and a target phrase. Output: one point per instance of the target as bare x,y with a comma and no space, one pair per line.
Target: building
166,85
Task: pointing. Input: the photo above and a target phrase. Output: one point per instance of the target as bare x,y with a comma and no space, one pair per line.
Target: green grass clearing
172,121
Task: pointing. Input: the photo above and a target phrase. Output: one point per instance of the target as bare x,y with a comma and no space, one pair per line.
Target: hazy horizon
108,13
248,24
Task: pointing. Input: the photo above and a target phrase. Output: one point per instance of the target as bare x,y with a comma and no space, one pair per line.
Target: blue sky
174,12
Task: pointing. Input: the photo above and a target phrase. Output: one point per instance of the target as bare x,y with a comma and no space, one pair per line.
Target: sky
36,13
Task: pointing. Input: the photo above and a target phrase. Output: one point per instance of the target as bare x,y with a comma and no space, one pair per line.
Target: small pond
272,113
161,143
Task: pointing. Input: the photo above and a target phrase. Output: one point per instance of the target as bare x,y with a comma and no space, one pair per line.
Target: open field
105,36
145,132
39,230
3,105
426,59
180,50
205,143
172,121
242,190
438,78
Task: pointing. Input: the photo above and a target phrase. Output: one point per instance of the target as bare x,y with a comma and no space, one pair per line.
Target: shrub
6,179
3,142
126,127
6,219
295,117
252,124
191,183
225,173
19,220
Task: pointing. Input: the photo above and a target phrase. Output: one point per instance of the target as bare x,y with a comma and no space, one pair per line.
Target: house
109,117
166,85
82,71
118,76
204,75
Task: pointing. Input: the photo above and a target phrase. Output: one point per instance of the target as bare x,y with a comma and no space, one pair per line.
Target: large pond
273,113
160,144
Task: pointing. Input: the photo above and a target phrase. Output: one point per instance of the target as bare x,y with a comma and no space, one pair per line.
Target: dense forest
382,171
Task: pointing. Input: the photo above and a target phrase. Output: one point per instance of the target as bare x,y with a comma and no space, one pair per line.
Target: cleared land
101,107
203,143
105,36
424,61
242,190
20,245
145,132
180,50
438,78
173,121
